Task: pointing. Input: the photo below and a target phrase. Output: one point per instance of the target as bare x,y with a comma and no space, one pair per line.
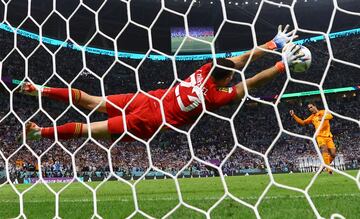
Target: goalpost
85,48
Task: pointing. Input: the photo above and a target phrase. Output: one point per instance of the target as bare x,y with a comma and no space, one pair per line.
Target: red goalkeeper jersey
183,103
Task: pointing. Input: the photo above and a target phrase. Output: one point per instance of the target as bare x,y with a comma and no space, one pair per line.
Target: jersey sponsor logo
225,89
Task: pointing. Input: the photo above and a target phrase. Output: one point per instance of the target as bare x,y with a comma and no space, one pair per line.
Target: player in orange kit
324,137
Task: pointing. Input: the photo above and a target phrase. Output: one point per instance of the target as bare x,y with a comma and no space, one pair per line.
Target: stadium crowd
255,124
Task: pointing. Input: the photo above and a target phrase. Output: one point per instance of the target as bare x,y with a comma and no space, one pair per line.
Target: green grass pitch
191,45
330,194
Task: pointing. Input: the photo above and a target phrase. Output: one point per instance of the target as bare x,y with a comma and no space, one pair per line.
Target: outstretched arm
299,120
258,80
241,60
279,41
269,74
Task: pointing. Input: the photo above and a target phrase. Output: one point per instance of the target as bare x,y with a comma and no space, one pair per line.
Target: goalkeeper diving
182,104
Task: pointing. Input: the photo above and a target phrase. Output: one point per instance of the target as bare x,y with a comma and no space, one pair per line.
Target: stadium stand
169,149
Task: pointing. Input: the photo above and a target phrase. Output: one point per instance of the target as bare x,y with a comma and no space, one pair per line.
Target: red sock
66,131
62,94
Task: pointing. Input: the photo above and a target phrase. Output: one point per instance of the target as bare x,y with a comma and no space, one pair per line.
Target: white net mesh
107,151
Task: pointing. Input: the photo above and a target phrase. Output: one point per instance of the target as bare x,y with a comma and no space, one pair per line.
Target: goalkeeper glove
290,55
281,38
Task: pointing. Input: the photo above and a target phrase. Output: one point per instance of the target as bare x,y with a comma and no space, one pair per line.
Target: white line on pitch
186,199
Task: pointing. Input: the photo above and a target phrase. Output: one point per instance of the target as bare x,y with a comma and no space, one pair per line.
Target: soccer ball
302,64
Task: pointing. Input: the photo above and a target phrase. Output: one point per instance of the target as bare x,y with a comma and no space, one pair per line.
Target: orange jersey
19,163
315,119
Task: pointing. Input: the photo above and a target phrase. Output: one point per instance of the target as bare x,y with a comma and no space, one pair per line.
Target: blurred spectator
170,151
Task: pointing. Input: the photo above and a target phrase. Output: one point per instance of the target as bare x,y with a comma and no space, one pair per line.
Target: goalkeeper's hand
281,38
290,54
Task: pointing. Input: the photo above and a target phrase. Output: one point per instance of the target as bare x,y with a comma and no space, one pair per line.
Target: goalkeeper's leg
79,97
141,124
99,130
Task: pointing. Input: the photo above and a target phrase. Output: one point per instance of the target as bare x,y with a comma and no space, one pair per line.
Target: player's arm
279,41
268,74
241,60
258,80
299,120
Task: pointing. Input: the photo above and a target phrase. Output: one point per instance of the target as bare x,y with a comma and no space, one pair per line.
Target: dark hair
220,73
312,103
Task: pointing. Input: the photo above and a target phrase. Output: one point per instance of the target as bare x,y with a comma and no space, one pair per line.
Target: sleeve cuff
271,45
280,66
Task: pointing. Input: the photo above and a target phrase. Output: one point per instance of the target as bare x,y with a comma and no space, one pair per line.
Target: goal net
249,159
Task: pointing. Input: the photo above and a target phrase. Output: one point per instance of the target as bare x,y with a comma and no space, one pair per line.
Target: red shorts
142,116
